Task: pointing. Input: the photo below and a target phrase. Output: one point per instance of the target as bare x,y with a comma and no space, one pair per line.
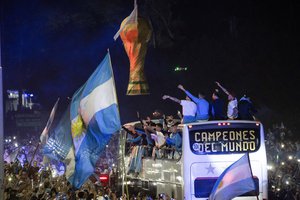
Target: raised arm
194,99
222,88
171,98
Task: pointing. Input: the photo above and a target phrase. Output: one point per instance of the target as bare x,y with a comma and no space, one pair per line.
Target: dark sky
51,47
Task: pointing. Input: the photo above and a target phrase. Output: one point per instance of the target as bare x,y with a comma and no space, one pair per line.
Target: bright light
282,163
14,137
106,146
178,68
54,174
16,145
269,167
290,157
103,178
278,189
6,140
9,179
282,145
113,164
287,182
179,178
298,160
156,165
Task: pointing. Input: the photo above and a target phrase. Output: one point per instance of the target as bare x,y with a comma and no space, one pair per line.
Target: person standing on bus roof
202,105
246,108
189,108
217,106
232,108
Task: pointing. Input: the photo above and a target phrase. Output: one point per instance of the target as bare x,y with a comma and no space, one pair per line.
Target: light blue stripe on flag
94,118
236,180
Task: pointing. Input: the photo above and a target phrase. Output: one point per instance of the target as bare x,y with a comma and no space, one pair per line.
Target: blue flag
59,146
94,118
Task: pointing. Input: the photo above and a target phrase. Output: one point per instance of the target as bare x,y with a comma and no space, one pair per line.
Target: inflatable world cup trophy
135,37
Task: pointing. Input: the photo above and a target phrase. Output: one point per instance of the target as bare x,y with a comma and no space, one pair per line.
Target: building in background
23,114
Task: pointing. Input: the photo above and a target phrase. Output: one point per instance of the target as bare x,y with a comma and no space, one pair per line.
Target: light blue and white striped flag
59,146
234,181
94,118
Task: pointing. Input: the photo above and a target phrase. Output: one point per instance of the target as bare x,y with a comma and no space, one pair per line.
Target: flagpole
36,148
113,77
252,174
123,161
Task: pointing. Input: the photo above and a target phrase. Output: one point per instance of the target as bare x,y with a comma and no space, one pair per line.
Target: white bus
208,148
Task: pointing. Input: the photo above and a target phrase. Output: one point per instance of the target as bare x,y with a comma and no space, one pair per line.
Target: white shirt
189,108
230,109
160,138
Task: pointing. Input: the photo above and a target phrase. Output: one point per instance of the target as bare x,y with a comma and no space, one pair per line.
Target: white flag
44,135
132,18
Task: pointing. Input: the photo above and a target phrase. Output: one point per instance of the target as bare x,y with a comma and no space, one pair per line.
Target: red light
190,126
219,124
103,178
224,124
257,124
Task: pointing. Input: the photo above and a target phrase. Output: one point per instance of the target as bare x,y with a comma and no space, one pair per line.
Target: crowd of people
283,156
28,177
31,180
149,139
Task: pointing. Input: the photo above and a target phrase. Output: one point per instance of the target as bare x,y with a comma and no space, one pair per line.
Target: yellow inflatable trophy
135,37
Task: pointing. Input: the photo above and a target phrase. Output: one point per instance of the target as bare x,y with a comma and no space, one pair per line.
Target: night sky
251,47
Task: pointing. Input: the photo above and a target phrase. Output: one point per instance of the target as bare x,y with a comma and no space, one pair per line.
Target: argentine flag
59,146
94,118
236,180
